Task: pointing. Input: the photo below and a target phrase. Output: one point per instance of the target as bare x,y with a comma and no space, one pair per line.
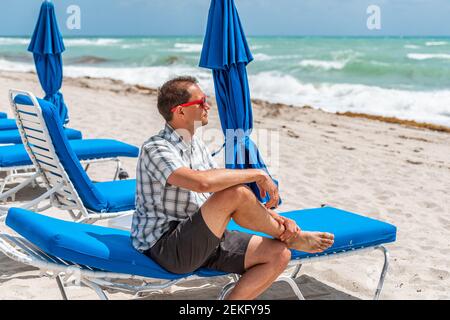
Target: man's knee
238,193
280,255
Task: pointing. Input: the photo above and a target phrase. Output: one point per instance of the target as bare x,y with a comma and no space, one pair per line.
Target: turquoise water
404,77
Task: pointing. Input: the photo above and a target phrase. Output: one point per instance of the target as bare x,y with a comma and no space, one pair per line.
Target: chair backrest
48,147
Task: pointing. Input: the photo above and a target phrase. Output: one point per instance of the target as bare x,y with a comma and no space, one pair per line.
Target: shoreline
92,83
137,88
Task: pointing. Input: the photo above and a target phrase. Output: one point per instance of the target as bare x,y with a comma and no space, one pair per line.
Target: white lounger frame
61,193
65,272
28,175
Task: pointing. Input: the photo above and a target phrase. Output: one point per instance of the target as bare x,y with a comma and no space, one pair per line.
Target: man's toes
325,240
327,235
325,246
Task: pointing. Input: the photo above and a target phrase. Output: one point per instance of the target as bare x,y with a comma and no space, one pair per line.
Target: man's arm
213,180
219,179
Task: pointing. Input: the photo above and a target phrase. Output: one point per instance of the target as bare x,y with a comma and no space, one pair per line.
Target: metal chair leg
226,290
293,286
383,272
118,168
101,294
296,271
61,287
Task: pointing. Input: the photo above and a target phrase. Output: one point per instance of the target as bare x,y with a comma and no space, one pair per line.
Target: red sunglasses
201,102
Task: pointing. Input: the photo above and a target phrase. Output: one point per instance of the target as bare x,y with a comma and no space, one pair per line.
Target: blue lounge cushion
111,249
119,194
7,124
3,115
15,155
13,136
92,198
351,231
96,246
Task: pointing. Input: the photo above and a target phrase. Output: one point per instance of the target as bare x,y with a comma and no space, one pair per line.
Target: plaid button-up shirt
157,202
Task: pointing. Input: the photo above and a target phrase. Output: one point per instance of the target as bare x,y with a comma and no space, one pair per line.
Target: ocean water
404,77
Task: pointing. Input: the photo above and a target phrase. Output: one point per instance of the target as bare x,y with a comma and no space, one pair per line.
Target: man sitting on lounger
184,203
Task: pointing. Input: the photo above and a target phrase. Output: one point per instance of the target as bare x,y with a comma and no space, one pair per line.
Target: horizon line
259,35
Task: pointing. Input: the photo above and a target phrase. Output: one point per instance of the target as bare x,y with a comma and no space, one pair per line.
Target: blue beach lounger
100,257
13,136
8,124
17,165
68,186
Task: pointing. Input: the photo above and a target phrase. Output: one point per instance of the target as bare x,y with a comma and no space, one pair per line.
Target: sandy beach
391,172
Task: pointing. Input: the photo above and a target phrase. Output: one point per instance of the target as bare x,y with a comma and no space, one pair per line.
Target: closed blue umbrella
47,45
226,52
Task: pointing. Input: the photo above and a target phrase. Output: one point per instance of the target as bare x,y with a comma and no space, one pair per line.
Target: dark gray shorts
190,244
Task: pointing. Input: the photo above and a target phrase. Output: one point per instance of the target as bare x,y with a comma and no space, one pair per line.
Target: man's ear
179,112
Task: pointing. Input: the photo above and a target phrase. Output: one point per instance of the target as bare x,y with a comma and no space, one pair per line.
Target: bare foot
311,242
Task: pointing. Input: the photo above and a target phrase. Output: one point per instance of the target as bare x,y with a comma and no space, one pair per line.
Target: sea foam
91,42
326,65
427,56
426,106
14,41
274,86
435,43
188,47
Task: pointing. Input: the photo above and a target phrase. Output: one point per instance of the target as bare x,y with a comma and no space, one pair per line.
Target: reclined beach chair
8,124
15,162
68,186
17,165
13,136
101,257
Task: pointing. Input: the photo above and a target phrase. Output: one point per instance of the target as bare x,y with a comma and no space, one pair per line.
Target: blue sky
259,17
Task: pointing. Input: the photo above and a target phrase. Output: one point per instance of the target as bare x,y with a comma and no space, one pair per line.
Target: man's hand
266,185
292,229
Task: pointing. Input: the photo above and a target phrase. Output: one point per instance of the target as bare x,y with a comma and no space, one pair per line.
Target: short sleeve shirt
157,202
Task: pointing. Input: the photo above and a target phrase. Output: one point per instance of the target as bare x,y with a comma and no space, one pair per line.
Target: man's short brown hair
173,93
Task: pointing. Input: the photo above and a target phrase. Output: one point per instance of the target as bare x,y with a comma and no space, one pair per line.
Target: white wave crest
188,47
148,76
133,46
15,66
427,106
91,42
262,57
427,56
13,41
411,46
322,64
435,43
257,47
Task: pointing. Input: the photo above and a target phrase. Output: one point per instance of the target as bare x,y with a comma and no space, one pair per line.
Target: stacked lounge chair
68,185
17,166
15,162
